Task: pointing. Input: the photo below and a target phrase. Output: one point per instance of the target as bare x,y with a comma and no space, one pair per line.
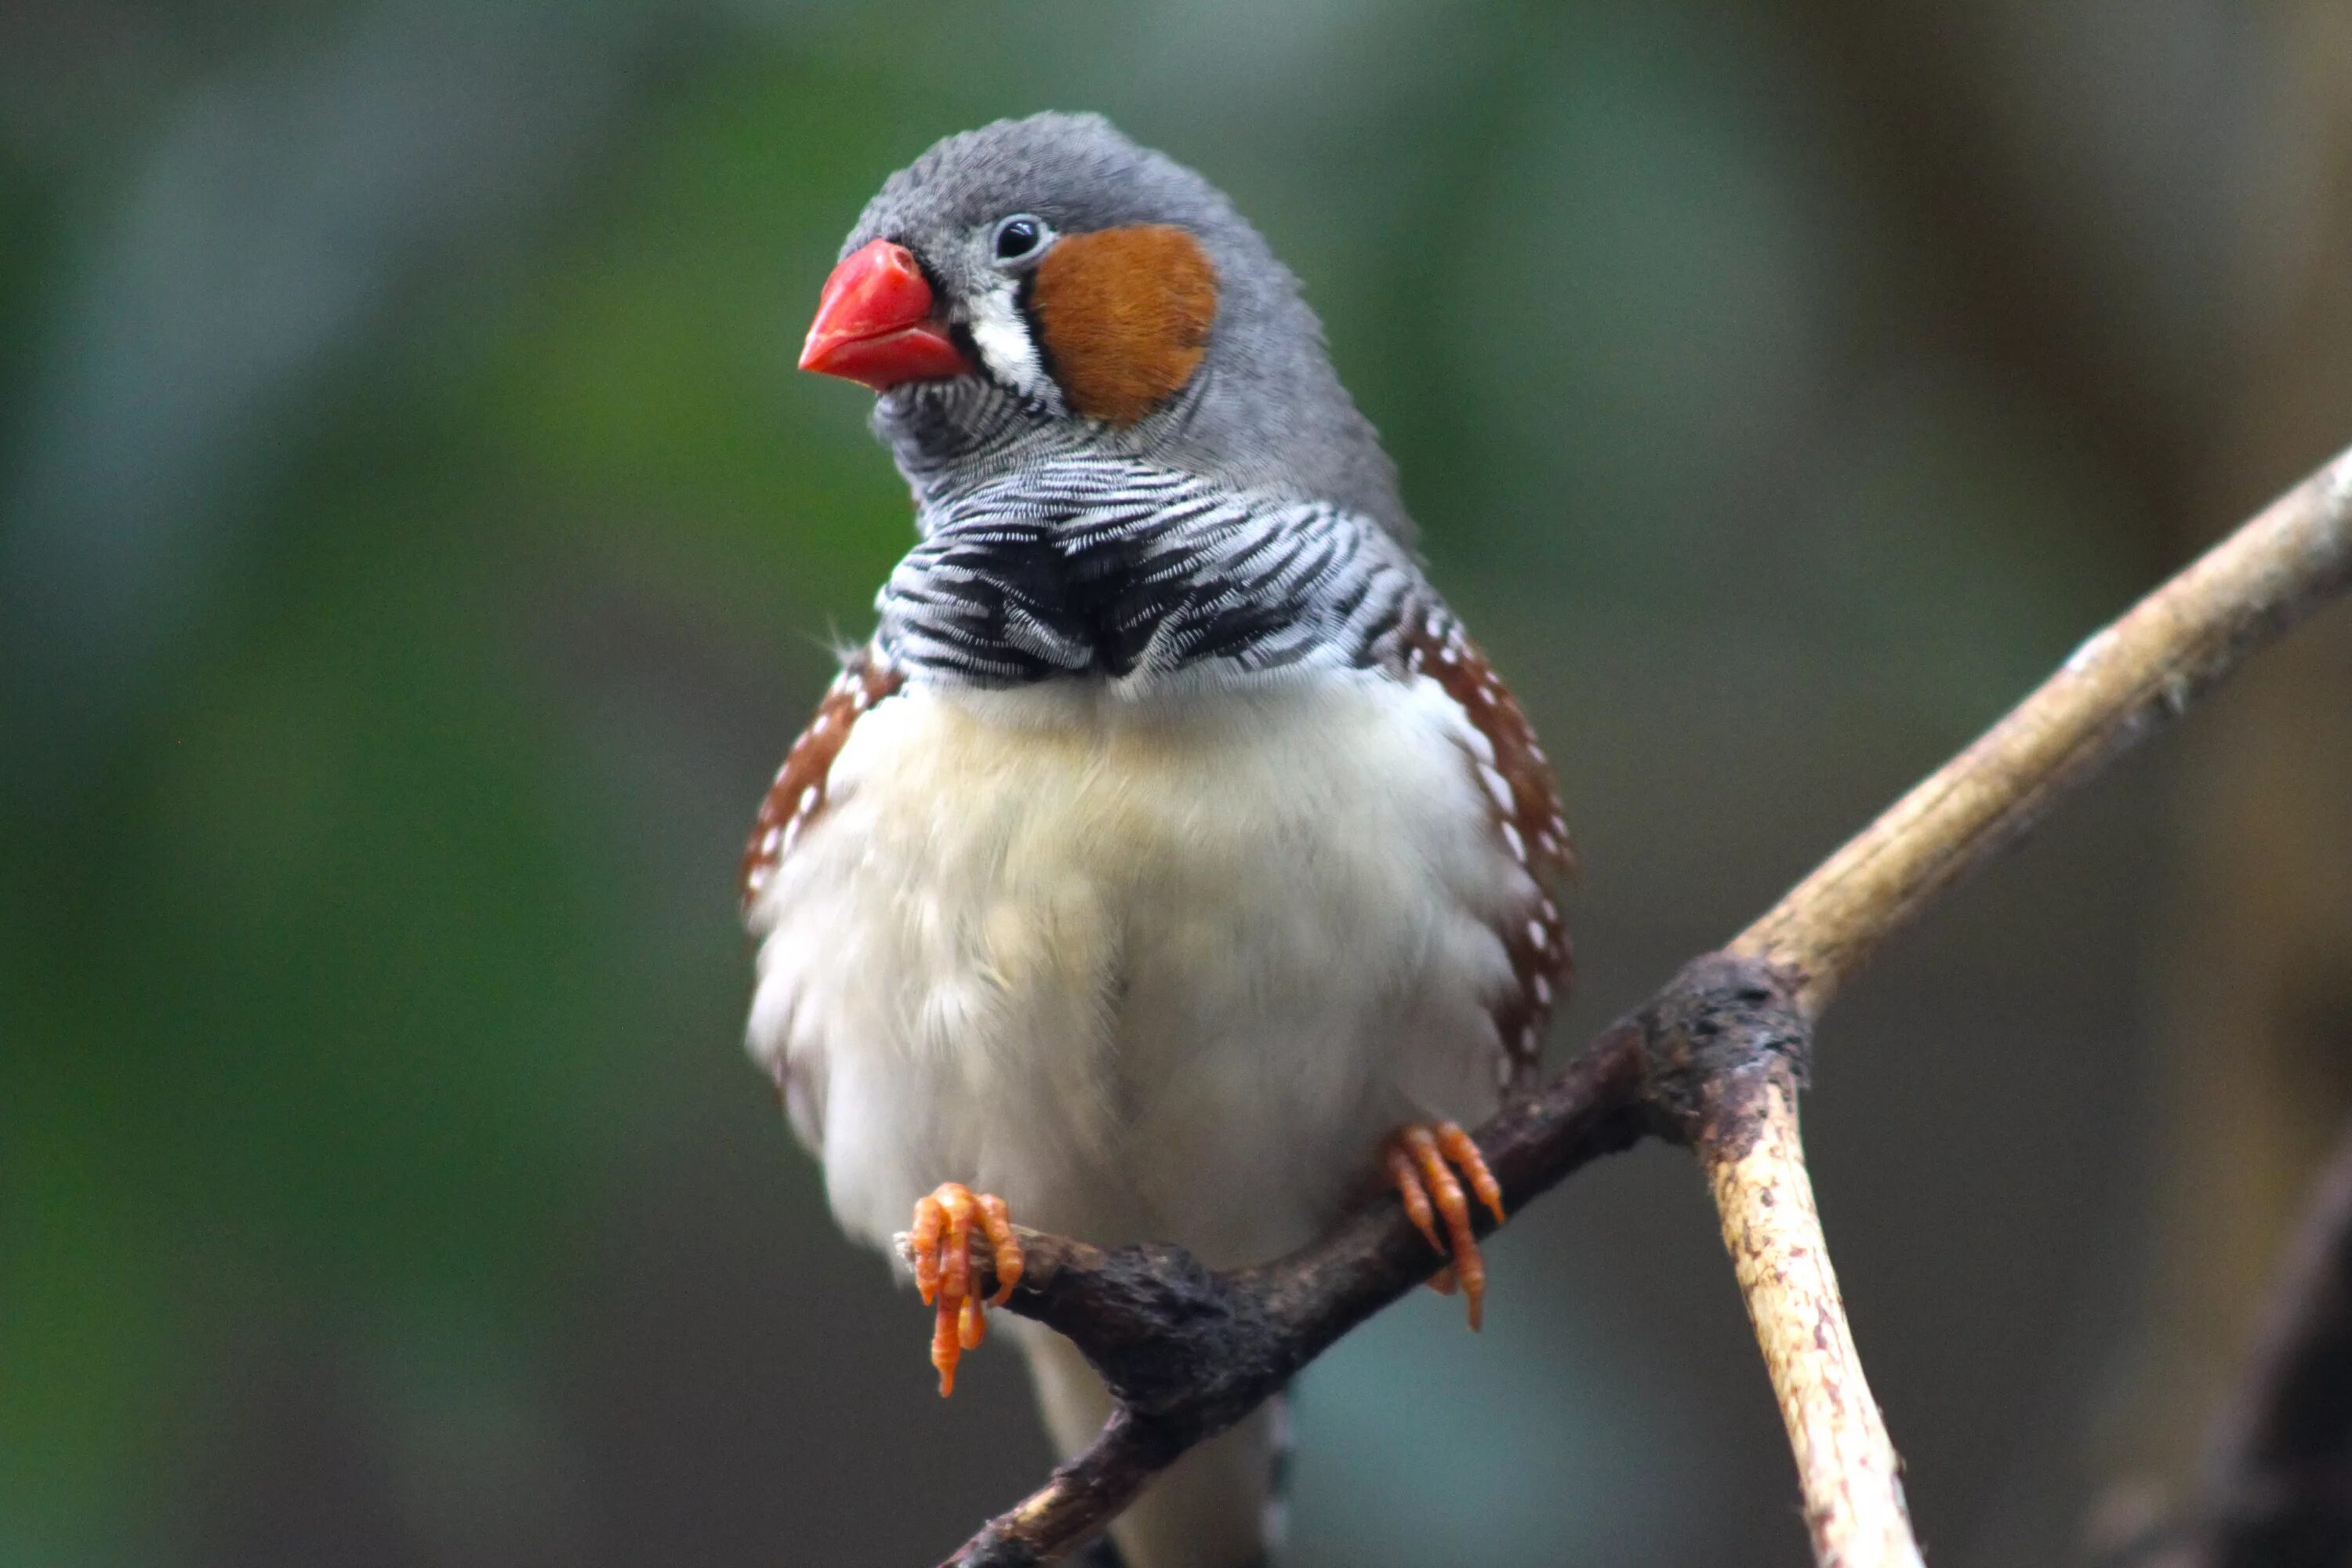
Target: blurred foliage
416,549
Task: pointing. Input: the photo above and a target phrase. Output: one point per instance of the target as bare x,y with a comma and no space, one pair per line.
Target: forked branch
1714,1061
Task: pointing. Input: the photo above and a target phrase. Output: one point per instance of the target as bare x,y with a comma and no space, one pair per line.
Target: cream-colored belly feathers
1164,969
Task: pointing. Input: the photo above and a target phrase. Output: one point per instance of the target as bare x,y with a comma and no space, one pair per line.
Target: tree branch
1846,1466
1714,1061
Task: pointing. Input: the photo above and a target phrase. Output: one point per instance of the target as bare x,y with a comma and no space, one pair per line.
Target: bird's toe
940,1243
1423,1160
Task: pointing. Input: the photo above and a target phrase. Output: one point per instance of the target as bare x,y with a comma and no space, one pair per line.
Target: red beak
874,322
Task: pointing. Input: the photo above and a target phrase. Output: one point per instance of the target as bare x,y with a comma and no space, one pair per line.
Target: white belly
1162,971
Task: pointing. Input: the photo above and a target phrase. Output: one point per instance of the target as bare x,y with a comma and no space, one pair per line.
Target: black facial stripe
960,334
1023,290
931,280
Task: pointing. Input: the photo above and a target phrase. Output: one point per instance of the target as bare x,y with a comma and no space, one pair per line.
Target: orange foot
941,1243
1419,1158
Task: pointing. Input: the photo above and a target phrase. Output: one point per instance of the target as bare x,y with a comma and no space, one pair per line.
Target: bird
1169,865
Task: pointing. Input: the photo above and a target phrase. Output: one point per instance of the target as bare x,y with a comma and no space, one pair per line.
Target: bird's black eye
1018,238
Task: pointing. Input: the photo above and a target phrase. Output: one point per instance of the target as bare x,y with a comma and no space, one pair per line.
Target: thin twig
1715,1061
1846,1465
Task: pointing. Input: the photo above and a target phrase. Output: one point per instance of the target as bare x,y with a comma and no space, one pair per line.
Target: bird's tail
1220,1506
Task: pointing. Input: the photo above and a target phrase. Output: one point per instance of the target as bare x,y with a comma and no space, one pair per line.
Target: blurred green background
417,550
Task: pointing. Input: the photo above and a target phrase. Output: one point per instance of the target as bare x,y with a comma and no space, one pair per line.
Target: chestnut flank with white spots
798,793
1517,779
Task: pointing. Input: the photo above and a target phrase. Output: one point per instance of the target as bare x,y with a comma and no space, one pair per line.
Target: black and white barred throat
1091,565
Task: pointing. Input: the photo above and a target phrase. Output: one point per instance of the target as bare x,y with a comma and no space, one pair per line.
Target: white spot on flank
823,722
857,700
1448,654
1551,911
1518,845
1496,786
770,840
808,800
1543,991
1538,935
1535,755
1527,1040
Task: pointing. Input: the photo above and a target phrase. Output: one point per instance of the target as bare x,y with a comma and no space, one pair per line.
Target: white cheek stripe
1002,337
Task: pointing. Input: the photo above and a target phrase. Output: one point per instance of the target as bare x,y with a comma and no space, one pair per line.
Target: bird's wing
794,801
1515,777
798,795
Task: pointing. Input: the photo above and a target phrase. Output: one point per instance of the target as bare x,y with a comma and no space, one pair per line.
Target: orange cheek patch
1125,315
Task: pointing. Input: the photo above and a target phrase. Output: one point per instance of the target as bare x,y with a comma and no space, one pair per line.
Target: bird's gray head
1043,284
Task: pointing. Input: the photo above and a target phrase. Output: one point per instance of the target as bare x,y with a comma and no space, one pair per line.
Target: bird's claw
1421,1160
940,1244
